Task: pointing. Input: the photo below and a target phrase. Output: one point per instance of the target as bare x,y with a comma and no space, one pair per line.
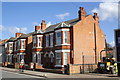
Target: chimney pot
37,28
82,13
43,25
18,35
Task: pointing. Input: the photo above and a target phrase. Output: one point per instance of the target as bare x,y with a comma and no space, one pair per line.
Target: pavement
55,75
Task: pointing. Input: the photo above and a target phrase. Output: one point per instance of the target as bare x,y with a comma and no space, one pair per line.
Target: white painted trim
39,35
10,42
47,35
21,53
21,49
62,44
22,39
62,30
62,50
51,33
59,65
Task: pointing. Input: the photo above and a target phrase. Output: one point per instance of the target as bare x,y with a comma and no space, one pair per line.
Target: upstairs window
47,40
58,37
23,44
18,44
34,41
51,40
39,41
65,37
11,47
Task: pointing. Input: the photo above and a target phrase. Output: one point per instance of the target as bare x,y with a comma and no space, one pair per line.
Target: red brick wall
84,42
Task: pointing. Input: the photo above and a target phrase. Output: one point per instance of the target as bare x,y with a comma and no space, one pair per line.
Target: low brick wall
80,68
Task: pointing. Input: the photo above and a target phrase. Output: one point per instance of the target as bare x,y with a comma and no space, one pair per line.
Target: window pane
58,37
39,59
65,58
58,61
47,41
58,58
66,37
51,40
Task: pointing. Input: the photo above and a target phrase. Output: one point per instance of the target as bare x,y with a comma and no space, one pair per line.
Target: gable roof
11,39
69,22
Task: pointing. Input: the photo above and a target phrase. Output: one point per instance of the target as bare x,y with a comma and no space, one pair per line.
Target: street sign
117,44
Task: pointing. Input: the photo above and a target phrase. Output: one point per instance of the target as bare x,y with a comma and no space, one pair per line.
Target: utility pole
117,44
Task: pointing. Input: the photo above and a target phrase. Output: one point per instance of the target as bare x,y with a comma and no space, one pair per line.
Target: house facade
77,41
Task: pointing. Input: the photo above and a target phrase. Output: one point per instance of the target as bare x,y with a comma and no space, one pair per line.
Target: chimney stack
18,35
43,25
96,17
37,28
81,13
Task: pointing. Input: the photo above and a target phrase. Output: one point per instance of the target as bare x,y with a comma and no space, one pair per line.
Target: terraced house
70,43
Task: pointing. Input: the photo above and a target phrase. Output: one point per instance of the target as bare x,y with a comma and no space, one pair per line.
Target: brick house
67,42
77,41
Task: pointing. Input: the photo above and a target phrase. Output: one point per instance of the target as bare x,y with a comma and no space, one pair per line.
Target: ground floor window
65,58
18,58
34,57
10,58
58,58
39,58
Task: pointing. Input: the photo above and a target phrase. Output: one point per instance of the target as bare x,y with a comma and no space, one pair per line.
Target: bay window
58,58
65,37
51,39
34,57
65,58
11,46
34,41
23,44
18,44
10,56
58,37
47,40
39,58
39,41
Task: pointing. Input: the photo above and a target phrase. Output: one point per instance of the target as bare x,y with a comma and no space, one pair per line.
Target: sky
23,16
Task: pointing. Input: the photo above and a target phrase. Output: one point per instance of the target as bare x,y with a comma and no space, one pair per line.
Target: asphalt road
7,74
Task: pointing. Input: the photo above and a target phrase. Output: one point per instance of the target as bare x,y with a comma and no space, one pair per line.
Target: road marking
24,74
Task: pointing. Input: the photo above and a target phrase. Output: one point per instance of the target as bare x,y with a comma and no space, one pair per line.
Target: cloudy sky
23,16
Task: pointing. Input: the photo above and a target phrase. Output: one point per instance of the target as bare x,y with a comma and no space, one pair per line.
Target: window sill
59,65
62,44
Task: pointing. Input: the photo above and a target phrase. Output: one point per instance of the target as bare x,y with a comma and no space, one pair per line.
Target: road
7,74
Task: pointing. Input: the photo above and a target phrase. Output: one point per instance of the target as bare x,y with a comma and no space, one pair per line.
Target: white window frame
65,58
39,41
22,44
60,51
65,37
58,58
51,39
58,39
47,40
10,46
